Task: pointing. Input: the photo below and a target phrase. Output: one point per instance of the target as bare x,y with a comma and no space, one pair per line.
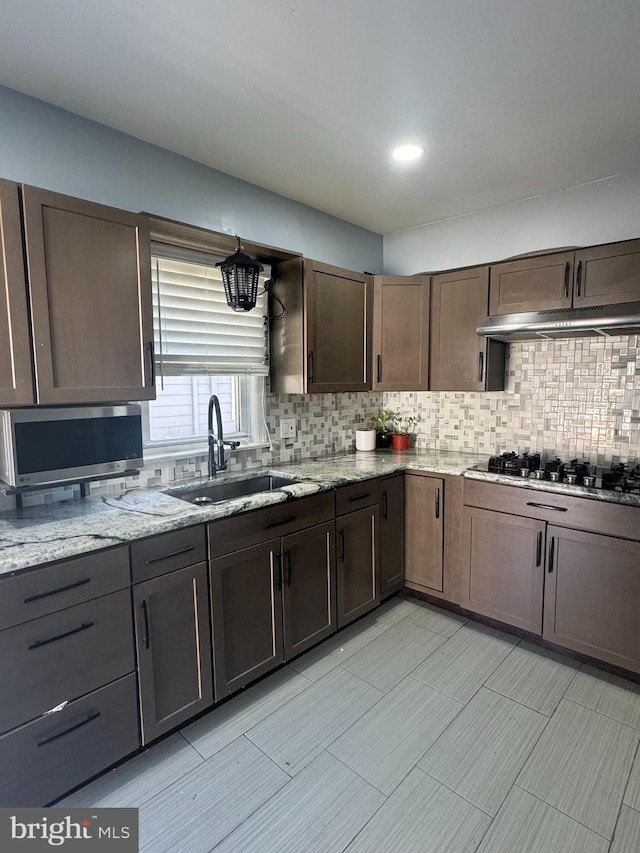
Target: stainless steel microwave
42,446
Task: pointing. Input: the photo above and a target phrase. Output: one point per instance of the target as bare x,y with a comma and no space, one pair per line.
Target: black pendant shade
240,276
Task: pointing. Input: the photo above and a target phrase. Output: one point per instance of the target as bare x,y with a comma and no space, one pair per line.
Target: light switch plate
288,428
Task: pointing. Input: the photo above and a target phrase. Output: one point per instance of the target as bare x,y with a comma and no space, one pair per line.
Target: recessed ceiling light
407,152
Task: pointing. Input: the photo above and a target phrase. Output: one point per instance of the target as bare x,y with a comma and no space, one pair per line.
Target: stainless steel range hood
599,320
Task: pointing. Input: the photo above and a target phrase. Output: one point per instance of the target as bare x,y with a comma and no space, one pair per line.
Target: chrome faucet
217,461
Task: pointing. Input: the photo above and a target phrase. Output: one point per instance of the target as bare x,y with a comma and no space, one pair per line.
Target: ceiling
306,97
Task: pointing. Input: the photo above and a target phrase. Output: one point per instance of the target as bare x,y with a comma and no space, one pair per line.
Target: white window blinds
195,330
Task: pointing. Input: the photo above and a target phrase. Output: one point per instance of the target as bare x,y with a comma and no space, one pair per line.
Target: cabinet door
401,333
532,284
461,360
338,305
90,286
246,616
358,563
309,588
424,526
391,535
174,649
592,595
502,567
607,275
16,383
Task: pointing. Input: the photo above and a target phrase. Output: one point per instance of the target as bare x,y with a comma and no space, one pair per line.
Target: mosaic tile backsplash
577,397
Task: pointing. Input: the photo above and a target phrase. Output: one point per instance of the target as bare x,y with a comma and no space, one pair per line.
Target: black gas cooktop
618,477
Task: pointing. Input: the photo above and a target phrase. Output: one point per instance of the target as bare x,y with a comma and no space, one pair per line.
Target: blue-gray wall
57,150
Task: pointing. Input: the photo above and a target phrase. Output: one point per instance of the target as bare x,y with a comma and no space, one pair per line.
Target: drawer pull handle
567,270
539,549
579,279
279,561
310,369
39,643
341,535
385,505
480,367
379,368
360,497
169,556
57,591
68,731
286,520
145,614
552,551
437,503
547,506
287,555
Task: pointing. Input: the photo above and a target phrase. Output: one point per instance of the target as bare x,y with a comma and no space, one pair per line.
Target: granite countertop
37,535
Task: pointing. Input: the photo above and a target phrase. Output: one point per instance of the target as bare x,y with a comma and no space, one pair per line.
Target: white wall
600,212
57,150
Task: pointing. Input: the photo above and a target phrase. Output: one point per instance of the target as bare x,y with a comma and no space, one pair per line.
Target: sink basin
212,492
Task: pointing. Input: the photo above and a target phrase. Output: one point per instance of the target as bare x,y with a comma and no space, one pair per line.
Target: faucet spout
216,440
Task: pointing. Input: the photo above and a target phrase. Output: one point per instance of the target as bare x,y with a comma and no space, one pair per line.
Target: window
203,347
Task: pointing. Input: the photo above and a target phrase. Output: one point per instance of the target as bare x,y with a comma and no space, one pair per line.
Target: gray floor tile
296,733
534,677
615,697
632,794
197,812
386,743
320,810
464,662
527,825
581,765
393,611
140,778
483,750
337,649
437,620
627,834
387,660
234,718
422,816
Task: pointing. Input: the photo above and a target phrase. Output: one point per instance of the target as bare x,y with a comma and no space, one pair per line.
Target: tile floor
412,730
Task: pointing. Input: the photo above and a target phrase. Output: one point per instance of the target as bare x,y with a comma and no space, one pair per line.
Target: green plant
382,422
402,425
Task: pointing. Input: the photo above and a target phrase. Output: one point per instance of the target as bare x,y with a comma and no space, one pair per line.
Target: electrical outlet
288,428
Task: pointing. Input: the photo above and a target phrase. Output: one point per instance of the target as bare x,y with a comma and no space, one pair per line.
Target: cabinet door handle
145,616
56,591
360,497
287,555
310,360
39,643
567,270
539,549
547,506
385,505
341,535
579,278
379,368
169,556
152,364
552,551
438,503
279,561
68,731
480,367
286,520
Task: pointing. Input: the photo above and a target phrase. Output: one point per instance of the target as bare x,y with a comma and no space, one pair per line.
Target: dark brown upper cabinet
16,384
600,275
460,359
401,333
321,343
90,292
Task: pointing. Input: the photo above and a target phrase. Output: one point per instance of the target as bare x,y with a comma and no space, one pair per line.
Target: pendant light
240,276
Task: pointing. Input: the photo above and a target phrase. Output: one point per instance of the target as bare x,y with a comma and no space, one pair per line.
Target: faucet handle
232,444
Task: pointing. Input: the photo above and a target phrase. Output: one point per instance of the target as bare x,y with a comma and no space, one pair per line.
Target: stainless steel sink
212,492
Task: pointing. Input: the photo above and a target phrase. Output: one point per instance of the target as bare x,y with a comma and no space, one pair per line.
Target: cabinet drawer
63,656
35,593
46,758
252,528
159,555
357,496
596,516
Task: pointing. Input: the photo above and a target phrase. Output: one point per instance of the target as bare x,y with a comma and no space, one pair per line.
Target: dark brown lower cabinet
424,525
174,648
502,567
269,603
391,535
592,595
358,563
